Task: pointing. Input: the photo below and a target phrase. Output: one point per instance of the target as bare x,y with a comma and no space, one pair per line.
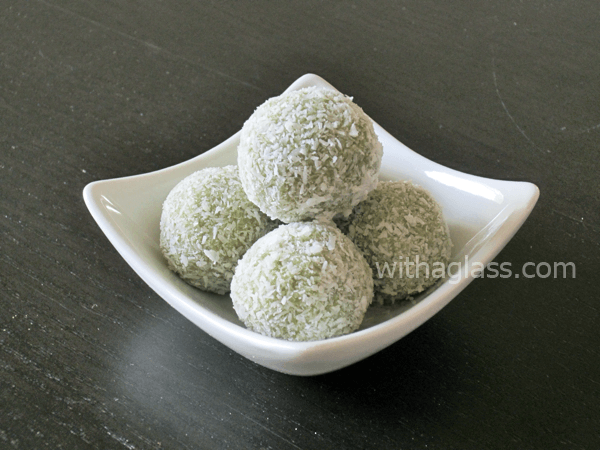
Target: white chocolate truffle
402,234
302,282
310,153
207,224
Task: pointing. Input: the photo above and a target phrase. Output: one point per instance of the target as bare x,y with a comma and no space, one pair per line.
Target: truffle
303,281
403,236
207,224
309,153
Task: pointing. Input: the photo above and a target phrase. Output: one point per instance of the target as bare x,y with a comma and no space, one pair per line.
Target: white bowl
483,215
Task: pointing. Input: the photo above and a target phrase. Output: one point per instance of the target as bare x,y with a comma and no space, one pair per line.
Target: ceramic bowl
482,214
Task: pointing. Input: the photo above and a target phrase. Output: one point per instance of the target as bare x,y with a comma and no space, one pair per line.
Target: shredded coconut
292,285
398,226
207,224
323,148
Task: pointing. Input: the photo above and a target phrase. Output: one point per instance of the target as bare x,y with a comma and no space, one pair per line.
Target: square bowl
482,215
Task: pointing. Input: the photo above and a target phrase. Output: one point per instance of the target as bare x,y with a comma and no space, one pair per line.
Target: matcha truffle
207,224
402,234
310,153
303,281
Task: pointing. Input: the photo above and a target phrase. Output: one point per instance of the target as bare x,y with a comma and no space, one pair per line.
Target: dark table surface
91,357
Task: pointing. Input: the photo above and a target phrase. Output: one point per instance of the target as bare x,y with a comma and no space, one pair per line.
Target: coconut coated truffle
303,281
308,153
207,224
402,234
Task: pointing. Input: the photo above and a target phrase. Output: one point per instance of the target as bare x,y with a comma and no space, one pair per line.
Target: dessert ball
402,234
207,224
303,281
310,153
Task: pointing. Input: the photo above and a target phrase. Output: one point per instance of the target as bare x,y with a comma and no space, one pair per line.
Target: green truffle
207,224
402,234
310,153
302,282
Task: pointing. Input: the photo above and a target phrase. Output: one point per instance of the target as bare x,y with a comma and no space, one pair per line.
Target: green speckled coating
308,153
302,281
396,227
207,224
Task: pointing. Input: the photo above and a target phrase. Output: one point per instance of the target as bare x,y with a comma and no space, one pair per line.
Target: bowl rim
385,333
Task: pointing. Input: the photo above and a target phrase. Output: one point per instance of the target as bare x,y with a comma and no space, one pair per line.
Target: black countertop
91,357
